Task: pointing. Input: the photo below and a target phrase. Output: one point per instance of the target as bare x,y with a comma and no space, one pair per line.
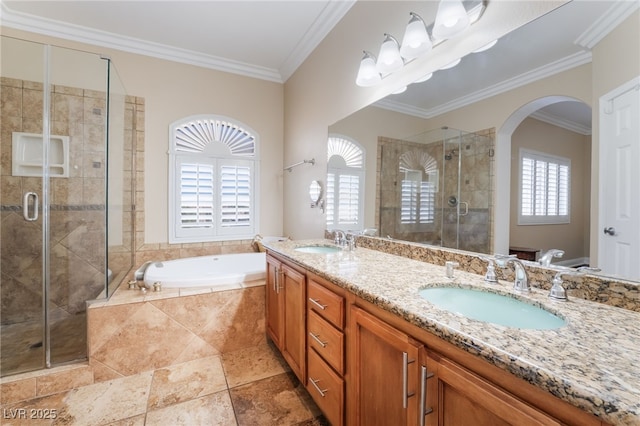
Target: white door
619,239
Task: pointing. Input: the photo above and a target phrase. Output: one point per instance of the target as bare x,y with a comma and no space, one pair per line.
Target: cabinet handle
423,394
275,280
317,303
317,339
314,383
405,378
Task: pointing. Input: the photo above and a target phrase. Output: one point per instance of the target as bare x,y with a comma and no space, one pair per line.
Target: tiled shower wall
475,188
77,203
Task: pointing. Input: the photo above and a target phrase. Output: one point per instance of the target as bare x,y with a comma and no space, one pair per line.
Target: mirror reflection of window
345,183
419,185
544,188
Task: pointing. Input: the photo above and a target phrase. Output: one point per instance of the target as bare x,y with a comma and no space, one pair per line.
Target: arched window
212,180
419,184
345,183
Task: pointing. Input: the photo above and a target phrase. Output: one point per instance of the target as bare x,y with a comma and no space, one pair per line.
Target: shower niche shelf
27,155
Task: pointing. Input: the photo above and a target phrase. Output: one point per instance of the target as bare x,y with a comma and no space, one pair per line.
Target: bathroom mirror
448,98
315,193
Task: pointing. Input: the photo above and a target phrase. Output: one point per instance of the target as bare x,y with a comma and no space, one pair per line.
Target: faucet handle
503,259
558,292
490,275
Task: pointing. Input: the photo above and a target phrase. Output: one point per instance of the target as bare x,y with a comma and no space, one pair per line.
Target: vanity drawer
326,340
326,388
326,303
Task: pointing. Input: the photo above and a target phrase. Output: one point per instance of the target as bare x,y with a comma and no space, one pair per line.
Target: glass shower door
53,243
22,225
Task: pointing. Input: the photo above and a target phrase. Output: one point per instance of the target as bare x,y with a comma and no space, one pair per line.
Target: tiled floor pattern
252,386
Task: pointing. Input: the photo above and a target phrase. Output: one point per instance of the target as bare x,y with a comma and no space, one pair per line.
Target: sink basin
490,307
318,249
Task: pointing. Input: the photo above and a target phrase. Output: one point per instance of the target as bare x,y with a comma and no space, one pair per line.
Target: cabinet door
274,302
385,373
294,342
459,397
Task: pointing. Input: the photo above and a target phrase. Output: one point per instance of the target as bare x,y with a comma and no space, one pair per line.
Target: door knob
610,230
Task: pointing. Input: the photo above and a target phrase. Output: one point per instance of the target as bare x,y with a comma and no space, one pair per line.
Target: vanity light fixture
416,41
368,74
389,58
451,20
400,90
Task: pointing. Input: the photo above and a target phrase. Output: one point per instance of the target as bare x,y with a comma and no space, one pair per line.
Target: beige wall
172,91
542,137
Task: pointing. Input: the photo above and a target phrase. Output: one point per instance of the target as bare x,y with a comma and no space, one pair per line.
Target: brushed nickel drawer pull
424,376
405,378
316,337
314,383
317,303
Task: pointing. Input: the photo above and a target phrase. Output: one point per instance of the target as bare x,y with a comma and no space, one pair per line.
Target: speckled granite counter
593,362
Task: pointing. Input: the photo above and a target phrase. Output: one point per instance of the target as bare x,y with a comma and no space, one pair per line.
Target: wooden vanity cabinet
455,396
326,348
286,312
384,373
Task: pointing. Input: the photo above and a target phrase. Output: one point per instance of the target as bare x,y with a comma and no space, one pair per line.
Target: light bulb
368,74
389,59
416,41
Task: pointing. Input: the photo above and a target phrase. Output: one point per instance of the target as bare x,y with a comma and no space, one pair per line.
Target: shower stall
66,199
435,188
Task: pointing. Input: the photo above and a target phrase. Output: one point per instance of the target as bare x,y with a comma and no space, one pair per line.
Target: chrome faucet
545,259
521,282
558,292
339,237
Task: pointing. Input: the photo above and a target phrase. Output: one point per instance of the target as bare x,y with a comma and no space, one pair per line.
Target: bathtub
207,271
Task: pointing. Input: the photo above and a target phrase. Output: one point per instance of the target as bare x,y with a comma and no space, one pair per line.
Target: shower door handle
28,196
466,208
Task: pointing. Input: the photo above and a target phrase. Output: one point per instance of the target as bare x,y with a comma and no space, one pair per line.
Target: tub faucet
521,282
558,292
545,259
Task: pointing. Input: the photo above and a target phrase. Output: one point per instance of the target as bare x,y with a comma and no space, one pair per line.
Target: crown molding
539,73
613,17
565,124
332,13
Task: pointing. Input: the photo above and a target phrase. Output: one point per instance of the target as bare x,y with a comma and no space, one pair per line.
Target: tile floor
252,386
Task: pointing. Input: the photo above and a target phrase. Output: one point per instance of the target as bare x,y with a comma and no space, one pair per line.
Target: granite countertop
593,362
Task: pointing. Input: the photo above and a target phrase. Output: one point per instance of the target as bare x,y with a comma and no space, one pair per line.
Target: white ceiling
222,35
262,39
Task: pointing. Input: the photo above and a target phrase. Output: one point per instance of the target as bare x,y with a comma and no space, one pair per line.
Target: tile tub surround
591,362
134,332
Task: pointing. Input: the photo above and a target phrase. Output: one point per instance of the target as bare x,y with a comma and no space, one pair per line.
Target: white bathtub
207,271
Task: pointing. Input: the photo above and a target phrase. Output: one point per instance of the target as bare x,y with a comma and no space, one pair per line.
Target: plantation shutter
330,198
348,200
196,195
235,196
544,188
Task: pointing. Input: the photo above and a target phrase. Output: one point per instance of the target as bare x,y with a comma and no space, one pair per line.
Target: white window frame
345,158
555,206
215,141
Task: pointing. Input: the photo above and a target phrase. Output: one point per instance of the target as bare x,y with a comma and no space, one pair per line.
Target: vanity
371,351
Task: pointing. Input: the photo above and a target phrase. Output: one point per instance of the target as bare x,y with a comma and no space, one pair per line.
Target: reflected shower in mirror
540,84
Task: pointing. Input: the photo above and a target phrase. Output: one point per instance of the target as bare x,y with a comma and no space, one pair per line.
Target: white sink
491,307
318,249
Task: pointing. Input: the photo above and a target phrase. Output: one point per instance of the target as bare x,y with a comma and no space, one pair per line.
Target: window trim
208,150
543,219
